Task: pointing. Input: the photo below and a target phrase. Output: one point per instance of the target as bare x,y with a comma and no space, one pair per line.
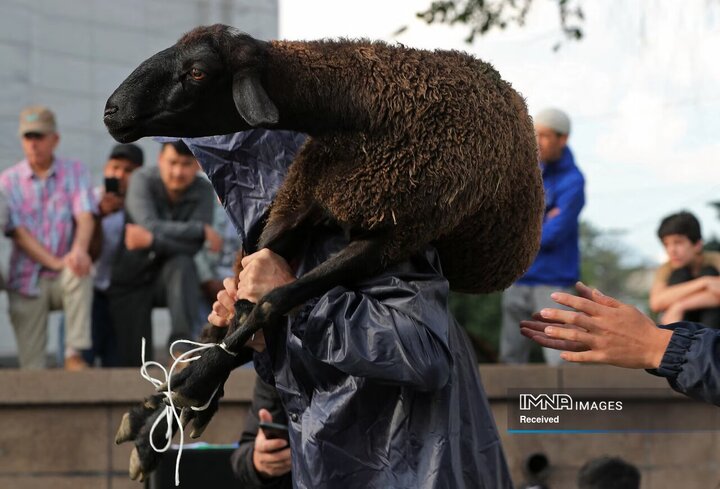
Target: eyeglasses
34,135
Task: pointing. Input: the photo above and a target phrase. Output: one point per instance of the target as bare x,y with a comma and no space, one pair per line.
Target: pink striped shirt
46,208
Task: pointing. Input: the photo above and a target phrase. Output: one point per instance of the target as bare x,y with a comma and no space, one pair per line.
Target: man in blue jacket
557,266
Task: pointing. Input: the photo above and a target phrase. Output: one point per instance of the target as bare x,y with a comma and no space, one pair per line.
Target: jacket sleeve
393,328
691,362
169,237
570,201
264,396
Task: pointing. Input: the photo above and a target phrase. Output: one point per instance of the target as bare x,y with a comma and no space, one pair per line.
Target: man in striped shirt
50,222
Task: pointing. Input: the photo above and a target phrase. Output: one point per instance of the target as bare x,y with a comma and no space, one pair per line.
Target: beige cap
36,119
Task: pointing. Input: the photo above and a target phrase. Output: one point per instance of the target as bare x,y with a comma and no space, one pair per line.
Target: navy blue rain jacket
379,382
558,261
691,362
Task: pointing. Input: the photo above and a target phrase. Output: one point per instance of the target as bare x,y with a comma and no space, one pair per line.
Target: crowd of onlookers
149,236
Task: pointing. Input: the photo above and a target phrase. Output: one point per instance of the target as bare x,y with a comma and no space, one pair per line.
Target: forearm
564,222
701,300
189,231
35,250
84,226
661,299
166,246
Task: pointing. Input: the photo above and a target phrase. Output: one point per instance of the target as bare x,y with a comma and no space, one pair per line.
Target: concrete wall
71,54
57,428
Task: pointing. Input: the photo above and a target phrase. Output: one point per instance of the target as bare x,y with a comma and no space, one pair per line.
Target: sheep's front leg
358,260
136,425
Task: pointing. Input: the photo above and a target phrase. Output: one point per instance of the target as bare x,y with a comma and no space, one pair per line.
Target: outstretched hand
600,330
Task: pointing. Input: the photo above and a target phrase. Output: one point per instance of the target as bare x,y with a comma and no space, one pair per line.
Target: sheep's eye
196,74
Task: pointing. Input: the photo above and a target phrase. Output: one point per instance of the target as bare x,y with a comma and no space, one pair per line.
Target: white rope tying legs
170,412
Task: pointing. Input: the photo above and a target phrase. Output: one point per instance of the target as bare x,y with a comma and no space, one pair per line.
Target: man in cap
557,266
50,222
124,159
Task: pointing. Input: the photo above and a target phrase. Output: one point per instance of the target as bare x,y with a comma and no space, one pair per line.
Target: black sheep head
208,83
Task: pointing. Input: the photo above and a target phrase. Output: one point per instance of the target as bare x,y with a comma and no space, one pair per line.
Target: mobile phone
274,430
112,185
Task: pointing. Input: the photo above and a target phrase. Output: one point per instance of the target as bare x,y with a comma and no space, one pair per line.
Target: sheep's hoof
197,431
135,469
124,432
133,421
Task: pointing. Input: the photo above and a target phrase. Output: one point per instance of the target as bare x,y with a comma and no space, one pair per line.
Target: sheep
406,147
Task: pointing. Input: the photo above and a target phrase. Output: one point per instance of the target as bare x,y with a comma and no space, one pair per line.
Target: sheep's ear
252,102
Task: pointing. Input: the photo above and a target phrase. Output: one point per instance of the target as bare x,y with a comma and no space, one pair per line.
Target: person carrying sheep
379,382
557,265
419,175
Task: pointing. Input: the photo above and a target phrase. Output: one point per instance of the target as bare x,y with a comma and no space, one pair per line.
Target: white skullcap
555,119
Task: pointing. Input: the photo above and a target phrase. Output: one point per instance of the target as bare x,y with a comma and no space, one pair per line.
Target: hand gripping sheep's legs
361,258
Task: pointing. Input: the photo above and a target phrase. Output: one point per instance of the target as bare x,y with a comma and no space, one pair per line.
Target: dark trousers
709,317
104,344
176,286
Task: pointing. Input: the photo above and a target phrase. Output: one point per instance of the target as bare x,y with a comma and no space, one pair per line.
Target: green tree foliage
483,16
480,315
601,260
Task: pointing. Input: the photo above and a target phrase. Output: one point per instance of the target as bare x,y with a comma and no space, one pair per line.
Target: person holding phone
123,160
262,459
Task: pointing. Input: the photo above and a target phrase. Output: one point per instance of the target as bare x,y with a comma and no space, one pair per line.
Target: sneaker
75,363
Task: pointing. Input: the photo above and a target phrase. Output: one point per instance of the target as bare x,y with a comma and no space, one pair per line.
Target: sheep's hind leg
359,259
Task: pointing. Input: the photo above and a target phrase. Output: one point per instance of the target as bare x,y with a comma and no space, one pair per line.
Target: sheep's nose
110,110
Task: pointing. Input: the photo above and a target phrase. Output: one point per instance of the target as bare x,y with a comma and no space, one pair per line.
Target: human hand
554,212
262,272
535,330
137,237
109,203
601,330
213,239
271,458
78,261
223,309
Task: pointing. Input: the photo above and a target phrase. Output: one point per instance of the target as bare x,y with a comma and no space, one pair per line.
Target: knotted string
170,411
